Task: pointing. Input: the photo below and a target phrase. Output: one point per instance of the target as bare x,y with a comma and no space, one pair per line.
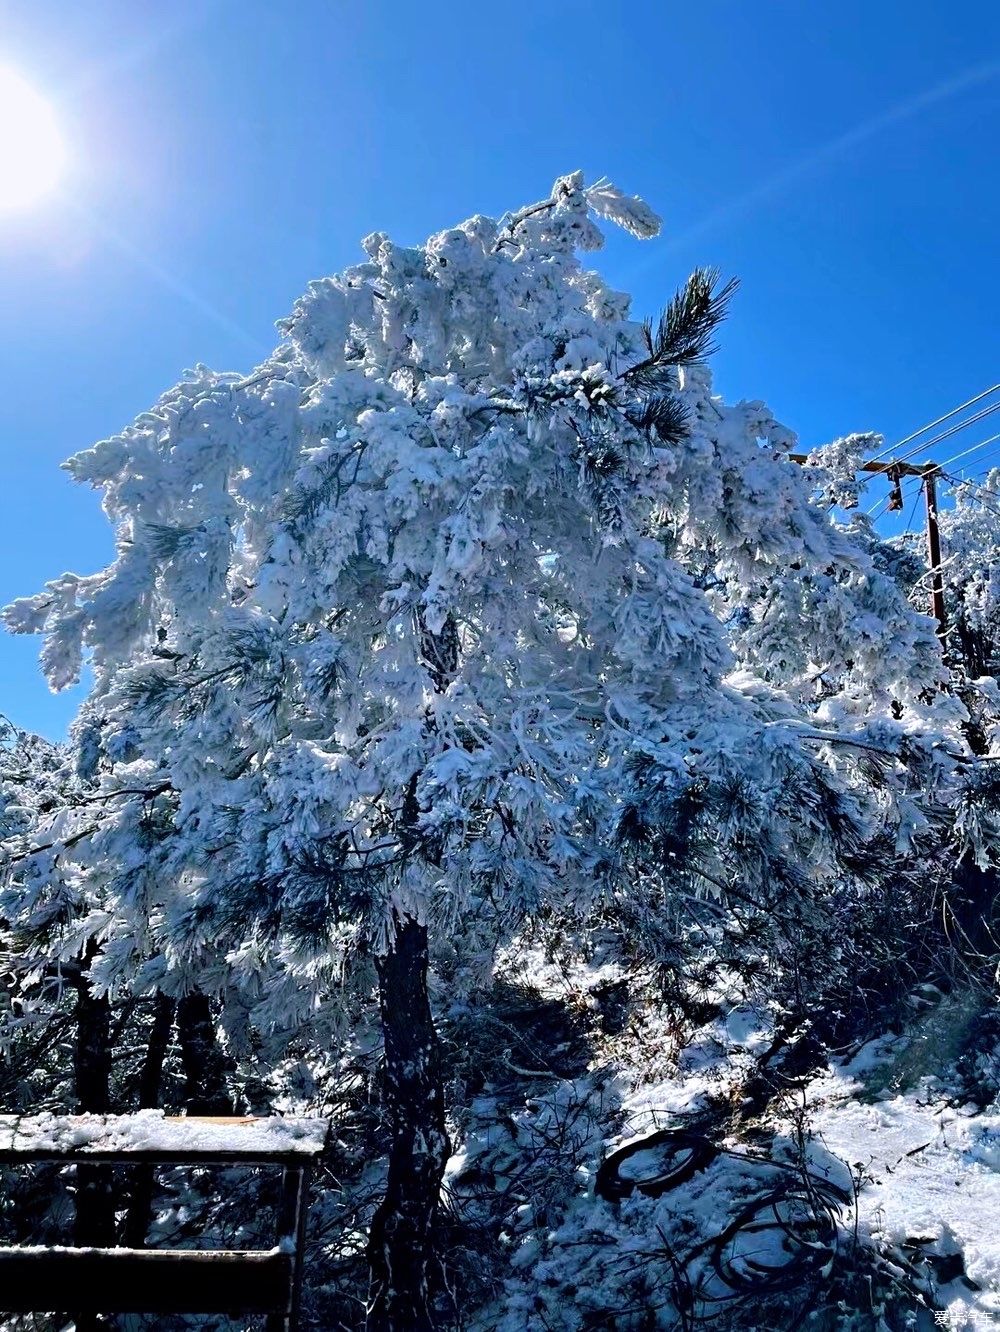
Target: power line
985,496
897,467
895,470
952,430
986,470
882,506
964,483
965,452
913,510
931,424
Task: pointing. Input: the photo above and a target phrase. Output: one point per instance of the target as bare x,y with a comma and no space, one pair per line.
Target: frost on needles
452,442
473,600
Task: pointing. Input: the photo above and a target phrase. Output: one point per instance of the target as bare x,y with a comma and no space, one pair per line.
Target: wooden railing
91,1281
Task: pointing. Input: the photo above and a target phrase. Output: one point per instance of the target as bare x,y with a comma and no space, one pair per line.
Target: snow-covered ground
929,1179
906,1176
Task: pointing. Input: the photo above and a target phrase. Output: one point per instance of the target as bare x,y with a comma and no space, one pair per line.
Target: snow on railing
151,1133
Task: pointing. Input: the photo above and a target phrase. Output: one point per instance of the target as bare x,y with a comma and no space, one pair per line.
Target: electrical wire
882,506
913,511
882,502
985,497
965,452
946,434
931,424
940,471
986,470
983,492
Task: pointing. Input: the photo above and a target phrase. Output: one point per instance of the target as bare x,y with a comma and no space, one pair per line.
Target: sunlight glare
32,153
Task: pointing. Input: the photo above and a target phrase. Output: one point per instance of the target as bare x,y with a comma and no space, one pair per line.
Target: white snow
930,1172
151,1131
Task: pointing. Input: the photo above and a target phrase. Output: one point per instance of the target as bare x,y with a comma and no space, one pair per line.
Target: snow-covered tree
36,783
471,600
970,535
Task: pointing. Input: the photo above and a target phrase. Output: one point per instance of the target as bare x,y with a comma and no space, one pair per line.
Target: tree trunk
92,1051
94,1223
140,1205
401,1238
204,1066
95,1213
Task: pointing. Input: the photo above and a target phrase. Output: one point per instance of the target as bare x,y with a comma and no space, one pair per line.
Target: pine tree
471,601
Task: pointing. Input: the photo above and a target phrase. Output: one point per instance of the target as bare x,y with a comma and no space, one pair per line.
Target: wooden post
927,473
292,1211
934,548
94,1223
140,1204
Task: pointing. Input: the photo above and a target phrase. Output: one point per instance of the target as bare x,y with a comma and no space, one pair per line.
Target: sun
32,153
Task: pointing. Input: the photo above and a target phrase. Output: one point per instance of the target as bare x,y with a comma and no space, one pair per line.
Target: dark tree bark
95,1213
92,1050
400,1245
401,1239
151,1074
204,1066
150,1083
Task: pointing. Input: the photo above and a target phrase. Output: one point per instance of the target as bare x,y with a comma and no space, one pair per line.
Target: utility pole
927,473
934,547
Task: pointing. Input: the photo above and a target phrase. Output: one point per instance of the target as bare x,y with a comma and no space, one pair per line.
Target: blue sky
841,159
